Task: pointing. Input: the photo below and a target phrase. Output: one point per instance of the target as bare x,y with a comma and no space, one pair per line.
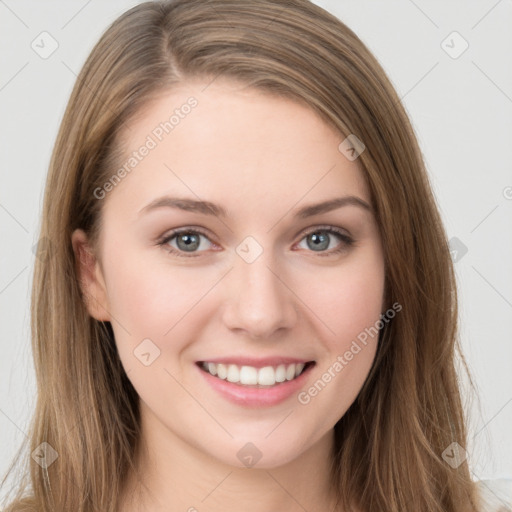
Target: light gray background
461,109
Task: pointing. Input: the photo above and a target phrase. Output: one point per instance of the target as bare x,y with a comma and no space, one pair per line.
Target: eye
188,241
320,238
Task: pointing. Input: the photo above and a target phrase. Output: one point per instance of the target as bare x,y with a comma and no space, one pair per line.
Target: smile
266,376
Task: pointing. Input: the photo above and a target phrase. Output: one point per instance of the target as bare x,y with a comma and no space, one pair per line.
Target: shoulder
496,494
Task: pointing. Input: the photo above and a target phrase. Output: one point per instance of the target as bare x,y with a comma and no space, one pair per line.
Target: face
262,282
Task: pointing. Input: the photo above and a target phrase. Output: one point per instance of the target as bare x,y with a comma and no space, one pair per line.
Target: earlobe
90,277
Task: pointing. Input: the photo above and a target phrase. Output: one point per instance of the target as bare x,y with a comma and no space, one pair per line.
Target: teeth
248,375
281,372
222,371
233,373
212,368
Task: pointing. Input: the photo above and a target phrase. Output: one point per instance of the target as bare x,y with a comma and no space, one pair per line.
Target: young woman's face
251,283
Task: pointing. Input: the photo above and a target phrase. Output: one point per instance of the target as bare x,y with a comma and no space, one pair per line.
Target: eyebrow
209,208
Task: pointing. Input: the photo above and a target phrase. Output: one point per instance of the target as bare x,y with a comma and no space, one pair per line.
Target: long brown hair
389,444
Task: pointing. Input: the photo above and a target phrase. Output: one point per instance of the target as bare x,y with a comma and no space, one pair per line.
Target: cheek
160,304
151,298
359,305
351,307
350,299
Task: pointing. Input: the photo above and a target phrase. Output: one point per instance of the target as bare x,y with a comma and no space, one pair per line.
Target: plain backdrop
450,63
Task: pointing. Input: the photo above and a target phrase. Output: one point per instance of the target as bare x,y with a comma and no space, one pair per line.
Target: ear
91,278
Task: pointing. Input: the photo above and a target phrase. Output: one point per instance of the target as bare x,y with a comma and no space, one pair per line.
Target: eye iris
191,241
320,241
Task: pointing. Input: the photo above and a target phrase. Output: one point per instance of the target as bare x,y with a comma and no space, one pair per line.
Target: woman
249,301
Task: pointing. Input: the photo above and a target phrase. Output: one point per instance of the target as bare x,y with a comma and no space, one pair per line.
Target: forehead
230,144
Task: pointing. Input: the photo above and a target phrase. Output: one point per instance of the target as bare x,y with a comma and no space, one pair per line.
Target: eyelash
347,241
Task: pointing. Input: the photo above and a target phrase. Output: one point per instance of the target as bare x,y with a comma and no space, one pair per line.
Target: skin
261,158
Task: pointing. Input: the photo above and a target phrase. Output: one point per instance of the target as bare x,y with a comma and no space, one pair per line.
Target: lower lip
256,397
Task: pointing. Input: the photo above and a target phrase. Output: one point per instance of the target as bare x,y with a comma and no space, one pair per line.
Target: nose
259,300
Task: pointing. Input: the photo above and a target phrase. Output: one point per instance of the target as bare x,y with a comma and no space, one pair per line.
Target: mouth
256,377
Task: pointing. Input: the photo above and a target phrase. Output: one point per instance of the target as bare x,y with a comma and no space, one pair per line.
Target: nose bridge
261,302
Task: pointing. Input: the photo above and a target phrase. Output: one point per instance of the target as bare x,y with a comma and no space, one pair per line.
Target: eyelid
324,227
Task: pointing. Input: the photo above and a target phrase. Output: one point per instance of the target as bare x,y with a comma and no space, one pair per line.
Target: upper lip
256,362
